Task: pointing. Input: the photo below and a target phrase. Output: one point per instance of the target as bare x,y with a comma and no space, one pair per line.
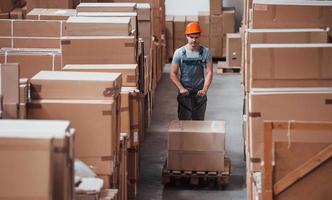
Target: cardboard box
257,36
216,7
32,62
196,145
204,22
233,49
136,103
17,13
98,50
4,15
228,21
23,90
179,28
131,15
96,139
216,23
283,14
145,32
31,4
284,104
64,85
100,165
204,40
128,72
290,65
106,7
9,90
97,26
49,144
170,36
50,14
143,11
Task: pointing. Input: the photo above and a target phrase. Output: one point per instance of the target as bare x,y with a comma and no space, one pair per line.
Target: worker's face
193,39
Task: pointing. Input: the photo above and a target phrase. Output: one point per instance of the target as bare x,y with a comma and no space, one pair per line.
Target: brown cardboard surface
62,161
97,139
106,7
31,62
179,27
48,4
50,14
216,23
16,152
6,6
195,160
97,26
143,11
204,22
75,85
9,90
289,15
234,49
291,65
228,21
125,112
129,72
216,46
17,13
98,50
197,136
216,7
170,36
285,104
100,165
30,28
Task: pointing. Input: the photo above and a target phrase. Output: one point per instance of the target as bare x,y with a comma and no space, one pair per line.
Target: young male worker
194,81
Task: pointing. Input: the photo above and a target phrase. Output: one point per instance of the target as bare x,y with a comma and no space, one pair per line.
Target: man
193,86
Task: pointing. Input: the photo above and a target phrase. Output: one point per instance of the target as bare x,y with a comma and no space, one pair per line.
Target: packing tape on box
255,160
34,105
124,109
131,78
107,112
328,101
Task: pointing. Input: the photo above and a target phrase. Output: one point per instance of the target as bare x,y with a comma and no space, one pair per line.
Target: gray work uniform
192,64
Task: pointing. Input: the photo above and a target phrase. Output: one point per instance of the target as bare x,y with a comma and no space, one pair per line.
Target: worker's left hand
201,93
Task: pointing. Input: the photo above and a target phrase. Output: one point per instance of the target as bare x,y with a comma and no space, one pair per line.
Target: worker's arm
175,79
208,79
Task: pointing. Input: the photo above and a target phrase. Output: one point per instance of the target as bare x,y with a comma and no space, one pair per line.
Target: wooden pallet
229,70
212,178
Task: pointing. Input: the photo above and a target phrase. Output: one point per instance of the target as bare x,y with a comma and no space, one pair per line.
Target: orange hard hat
193,27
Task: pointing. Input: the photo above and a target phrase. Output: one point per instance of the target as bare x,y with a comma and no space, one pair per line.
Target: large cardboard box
128,72
6,6
9,90
50,14
233,49
30,33
215,46
75,85
97,26
179,29
106,7
32,62
55,162
228,21
301,104
132,15
48,4
290,65
285,14
145,32
98,50
260,36
196,145
93,139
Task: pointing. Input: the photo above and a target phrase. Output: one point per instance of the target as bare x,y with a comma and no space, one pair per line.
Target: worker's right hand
184,92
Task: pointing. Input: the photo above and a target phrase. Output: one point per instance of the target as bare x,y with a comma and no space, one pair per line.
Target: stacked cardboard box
50,14
37,147
196,145
284,62
55,96
169,36
24,95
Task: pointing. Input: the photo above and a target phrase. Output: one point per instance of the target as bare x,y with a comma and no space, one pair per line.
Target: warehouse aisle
224,103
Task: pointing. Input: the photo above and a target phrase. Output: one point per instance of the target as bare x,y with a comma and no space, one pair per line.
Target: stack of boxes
286,75
215,24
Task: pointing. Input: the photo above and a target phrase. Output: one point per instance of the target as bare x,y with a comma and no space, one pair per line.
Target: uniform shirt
191,54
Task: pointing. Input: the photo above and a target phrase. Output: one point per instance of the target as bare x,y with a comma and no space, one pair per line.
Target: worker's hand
201,93
184,92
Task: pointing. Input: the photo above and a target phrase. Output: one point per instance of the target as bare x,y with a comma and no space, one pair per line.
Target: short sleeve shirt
191,54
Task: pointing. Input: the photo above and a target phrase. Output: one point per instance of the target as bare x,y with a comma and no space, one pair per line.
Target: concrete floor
224,103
